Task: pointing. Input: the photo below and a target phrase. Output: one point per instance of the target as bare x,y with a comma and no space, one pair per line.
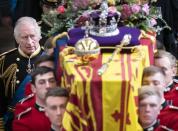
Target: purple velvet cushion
77,33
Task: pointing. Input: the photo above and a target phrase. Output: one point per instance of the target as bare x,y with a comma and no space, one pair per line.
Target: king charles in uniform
16,64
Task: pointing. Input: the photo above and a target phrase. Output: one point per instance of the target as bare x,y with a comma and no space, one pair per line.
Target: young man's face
42,83
165,64
156,80
148,111
55,108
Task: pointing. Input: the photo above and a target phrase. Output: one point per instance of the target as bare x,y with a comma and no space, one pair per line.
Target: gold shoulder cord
8,76
1,124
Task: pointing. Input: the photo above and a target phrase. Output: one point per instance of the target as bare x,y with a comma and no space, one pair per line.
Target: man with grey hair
17,63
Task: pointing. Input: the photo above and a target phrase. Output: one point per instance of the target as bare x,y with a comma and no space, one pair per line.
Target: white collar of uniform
150,127
32,55
169,86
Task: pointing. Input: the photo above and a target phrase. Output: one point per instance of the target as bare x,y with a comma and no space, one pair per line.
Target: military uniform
169,118
32,119
28,90
14,67
164,105
52,129
61,129
171,93
23,104
157,127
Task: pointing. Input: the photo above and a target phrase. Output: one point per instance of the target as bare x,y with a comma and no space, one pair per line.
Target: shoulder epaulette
8,52
173,107
26,98
23,113
166,128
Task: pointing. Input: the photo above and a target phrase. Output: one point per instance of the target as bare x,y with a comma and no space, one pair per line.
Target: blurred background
7,41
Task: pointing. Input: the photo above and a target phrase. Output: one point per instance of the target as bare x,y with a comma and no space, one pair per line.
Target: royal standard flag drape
107,102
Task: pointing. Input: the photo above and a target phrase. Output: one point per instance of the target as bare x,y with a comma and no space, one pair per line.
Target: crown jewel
104,22
87,45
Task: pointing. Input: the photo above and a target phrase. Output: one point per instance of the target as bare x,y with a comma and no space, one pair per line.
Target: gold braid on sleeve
1,124
8,76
